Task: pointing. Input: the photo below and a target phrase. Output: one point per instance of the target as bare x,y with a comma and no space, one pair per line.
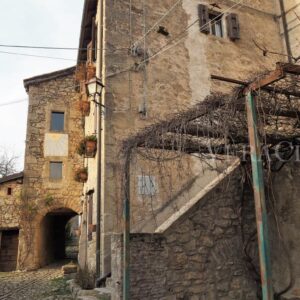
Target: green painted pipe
260,199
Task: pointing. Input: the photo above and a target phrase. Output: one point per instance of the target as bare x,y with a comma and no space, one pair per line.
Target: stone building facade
51,196
149,73
10,192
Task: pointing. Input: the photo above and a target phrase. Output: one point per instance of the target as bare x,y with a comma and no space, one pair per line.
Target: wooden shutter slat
203,18
233,26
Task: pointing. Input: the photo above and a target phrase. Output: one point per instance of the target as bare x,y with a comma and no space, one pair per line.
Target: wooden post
259,197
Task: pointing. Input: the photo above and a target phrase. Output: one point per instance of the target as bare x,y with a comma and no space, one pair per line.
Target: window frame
51,119
218,20
50,169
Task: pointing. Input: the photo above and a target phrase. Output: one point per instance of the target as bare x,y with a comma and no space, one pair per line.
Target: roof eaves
12,177
48,76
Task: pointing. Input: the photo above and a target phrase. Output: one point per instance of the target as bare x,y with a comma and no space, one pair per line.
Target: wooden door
9,250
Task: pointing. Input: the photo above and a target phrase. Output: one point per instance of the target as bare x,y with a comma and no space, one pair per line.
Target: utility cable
52,48
161,19
38,56
13,102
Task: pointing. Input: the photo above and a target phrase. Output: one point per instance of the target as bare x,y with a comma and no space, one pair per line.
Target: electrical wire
53,48
13,102
40,47
37,56
161,19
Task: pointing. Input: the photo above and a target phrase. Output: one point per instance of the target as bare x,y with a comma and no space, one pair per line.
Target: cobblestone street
47,284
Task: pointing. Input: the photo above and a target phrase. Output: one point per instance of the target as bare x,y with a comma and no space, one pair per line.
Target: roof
48,76
12,177
89,11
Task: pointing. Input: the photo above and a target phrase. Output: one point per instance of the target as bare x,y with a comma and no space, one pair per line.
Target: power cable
53,48
13,102
40,47
161,19
38,56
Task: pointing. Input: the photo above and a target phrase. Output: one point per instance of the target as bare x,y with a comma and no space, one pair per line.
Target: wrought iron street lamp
94,89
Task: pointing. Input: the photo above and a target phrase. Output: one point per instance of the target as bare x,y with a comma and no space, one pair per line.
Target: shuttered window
94,40
233,26
203,18
211,22
90,216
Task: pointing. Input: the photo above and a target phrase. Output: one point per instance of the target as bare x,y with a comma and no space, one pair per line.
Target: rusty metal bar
126,232
266,88
259,197
270,78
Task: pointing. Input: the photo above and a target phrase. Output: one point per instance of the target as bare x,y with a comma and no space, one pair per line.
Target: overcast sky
37,23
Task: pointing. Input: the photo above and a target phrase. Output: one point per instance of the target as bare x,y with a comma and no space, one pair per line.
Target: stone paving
44,284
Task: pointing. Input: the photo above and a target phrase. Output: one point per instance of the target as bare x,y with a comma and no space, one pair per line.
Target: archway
56,230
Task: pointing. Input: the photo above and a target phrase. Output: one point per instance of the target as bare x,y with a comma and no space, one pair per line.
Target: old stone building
51,196
151,71
145,81
149,59
10,192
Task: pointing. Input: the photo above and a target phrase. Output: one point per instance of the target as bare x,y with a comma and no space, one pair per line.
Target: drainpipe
285,31
99,146
126,229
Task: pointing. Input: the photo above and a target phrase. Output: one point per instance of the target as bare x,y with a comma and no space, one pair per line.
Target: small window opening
56,170
216,27
147,185
9,191
57,121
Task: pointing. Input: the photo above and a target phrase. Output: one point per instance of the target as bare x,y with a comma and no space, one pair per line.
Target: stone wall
199,257
9,213
43,195
292,9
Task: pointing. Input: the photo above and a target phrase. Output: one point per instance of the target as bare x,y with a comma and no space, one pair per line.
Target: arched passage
56,228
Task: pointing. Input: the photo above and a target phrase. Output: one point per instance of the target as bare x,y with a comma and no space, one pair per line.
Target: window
9,191
211,22
56,170
57,121
146,185
90,217
216,27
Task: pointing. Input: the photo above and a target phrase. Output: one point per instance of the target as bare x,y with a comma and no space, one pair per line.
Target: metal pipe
99,164
259,198
126,232
285,31
266,88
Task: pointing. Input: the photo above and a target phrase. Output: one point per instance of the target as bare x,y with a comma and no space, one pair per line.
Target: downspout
126,228
285,31
99,146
